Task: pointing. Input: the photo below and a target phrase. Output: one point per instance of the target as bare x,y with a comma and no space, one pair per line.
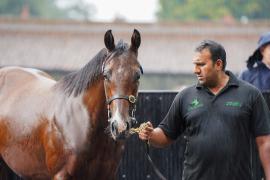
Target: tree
78,9
213,9
48,9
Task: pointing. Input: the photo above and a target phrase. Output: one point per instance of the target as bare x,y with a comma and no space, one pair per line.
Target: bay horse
74,128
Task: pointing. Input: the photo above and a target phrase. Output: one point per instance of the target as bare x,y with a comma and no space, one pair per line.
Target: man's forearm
263,144
159,139
265,159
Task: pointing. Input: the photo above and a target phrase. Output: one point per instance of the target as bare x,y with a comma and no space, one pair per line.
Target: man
258,64
218,116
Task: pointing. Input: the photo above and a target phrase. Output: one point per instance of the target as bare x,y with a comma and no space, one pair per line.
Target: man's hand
154,136
146,132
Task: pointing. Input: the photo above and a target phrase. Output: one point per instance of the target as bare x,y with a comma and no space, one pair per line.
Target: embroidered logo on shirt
194,104
233,104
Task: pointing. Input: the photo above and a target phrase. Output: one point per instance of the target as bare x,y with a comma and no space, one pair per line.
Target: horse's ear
109,40
135,40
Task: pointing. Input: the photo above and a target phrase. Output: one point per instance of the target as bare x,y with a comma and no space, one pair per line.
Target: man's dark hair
217,51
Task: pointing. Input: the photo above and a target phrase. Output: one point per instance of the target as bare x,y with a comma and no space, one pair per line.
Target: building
166,51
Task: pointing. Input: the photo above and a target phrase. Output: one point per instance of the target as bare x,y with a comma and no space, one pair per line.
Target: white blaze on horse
56,130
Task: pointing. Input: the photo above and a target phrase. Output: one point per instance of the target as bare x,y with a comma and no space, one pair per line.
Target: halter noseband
131,99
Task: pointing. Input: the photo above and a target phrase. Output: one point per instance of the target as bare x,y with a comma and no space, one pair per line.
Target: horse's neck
78,116
95,101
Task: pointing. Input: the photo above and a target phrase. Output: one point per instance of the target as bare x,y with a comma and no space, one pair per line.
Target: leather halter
130,98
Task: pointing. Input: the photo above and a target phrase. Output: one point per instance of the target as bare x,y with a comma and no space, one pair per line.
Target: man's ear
219,64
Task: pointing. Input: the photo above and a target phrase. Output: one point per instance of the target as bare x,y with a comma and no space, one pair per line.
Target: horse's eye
137,76
105,76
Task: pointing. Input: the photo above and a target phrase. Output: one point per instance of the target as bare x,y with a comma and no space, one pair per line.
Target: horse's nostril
127,125
133,122
114,126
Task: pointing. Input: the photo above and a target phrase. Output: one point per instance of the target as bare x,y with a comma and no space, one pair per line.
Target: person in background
218,116
258,74
258,65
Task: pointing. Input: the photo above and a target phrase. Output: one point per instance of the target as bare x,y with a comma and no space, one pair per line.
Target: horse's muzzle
122,133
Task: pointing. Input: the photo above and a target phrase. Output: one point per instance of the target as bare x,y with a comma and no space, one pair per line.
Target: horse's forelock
121,45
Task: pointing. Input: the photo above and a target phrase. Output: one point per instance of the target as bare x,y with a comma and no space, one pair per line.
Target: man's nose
196,70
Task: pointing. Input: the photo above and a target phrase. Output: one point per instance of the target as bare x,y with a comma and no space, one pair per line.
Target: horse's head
121,72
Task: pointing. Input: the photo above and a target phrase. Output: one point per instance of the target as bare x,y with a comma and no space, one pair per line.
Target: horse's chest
104,158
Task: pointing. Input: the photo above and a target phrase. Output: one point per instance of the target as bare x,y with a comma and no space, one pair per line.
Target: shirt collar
233,81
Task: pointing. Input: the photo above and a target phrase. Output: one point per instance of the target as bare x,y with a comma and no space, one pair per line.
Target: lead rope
156,170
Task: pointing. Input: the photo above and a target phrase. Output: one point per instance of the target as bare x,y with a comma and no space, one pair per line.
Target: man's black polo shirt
218,129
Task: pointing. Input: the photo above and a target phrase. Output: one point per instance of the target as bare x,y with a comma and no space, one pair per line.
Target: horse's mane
77,82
